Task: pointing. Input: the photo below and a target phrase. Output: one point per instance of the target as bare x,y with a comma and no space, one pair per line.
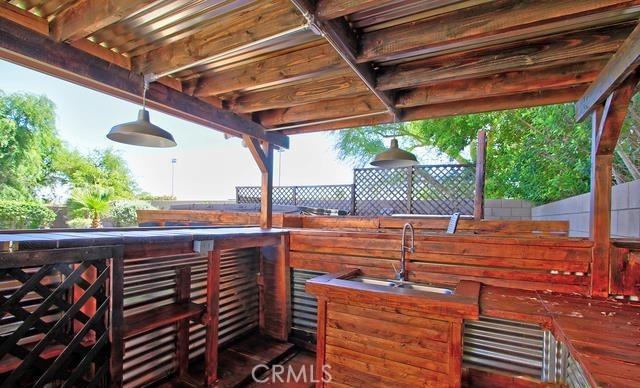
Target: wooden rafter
88,16
23,46
496,23
333,86
340,36
254,23
291,67
323,110
546,97
620,66
511,83
549,51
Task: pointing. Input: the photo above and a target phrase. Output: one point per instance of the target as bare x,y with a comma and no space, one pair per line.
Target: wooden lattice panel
54,308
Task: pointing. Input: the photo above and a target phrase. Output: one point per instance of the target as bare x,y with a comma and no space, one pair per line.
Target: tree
103,168
90,202
539,154
29,143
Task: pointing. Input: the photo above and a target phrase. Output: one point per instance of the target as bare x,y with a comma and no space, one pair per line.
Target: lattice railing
429,189
54,307
320,196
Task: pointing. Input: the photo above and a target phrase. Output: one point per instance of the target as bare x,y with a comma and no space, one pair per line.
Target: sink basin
399,284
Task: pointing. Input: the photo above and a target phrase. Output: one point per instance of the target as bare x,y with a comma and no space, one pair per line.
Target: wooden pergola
262,70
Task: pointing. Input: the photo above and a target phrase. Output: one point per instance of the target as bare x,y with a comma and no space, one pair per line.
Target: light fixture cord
144,93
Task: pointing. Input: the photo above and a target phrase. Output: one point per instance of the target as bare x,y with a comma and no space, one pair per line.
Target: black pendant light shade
394,156
141,133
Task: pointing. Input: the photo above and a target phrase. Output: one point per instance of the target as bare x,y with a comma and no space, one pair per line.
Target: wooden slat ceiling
291,73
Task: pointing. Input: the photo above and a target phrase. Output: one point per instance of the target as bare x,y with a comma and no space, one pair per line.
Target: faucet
402,274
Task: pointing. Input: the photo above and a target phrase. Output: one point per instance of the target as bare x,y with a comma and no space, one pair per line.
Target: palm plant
92,202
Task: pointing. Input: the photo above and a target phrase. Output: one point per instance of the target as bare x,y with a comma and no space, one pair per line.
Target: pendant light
394,156
141,132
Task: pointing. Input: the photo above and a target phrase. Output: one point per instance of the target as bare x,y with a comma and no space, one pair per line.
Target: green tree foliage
29,144
124,212
21,215
103,168
538,154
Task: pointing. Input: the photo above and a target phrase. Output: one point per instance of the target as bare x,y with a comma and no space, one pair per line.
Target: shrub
80,223
25,215
123,212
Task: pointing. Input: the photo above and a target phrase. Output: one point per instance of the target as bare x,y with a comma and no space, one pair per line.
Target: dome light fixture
394,156
141,132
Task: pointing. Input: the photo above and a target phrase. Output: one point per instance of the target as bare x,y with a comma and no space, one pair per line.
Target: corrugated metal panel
504,345
150,283
575,377
304,306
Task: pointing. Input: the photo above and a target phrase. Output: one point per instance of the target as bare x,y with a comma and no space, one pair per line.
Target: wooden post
275,290
263,155
183,295
116,318
212,317
266,200
478,201
607,122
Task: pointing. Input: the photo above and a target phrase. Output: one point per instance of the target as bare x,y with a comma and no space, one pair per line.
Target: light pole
173,173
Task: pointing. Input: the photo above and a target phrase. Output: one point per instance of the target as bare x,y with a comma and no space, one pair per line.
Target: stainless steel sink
399,284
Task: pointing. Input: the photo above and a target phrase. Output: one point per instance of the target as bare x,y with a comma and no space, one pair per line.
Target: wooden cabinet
370,335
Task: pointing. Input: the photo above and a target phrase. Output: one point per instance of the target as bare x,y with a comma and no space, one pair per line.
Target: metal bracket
203,246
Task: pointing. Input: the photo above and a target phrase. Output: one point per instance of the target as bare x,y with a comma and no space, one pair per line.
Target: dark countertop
62,239
603,335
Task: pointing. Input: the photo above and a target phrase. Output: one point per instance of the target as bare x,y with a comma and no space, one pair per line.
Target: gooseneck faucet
402,274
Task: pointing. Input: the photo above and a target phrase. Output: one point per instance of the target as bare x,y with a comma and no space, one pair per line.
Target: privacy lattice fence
321,196
427,189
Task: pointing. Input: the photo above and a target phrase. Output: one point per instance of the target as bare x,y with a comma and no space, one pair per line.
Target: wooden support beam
623,63
25,47
607,121
258,21
342,38
496,23
258,154
546,97
323,110
283,69
510,83
481,155
322,89
266,193
212,317
583,46
88,16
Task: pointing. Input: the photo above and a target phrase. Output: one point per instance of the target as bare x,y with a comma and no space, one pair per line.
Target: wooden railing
133,313
55,309
428,224
550,264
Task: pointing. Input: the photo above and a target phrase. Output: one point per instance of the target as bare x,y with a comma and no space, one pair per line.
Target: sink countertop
463,303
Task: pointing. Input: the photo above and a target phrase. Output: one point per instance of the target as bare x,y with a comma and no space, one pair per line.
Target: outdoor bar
240,298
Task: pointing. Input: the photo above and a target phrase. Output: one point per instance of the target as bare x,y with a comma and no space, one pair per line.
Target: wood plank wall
625,268
367,345
554,264
435,224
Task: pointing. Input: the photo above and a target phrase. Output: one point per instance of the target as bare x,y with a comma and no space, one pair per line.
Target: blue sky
208,166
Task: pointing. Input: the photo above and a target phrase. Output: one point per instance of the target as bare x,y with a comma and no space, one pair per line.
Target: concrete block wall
507,209
625,211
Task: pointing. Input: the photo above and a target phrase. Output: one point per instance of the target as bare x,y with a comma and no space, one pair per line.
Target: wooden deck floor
602,334
237,361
